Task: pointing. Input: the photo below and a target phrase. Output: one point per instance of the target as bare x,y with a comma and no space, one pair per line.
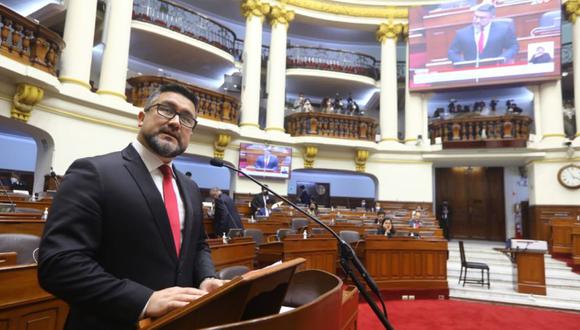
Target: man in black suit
261,203
484,38
225,215
124,239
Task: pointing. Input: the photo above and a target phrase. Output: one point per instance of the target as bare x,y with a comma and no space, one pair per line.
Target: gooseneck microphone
347,255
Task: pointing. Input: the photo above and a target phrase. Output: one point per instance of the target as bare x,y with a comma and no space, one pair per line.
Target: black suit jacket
107,244
226,215
501,42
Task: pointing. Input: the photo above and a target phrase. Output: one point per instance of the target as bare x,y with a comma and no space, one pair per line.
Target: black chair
350,236
298,223
283,232
473,265
256,234
23,244
319,231
230,272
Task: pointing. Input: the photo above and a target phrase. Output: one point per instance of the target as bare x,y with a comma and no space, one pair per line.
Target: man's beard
164,148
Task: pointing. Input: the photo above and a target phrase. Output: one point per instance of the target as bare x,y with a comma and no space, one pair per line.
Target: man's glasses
165,111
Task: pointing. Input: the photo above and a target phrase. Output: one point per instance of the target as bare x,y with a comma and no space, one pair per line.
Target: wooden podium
531,274
253,302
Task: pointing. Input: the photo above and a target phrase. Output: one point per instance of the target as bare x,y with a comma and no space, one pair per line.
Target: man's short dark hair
175,88
487,8
381,212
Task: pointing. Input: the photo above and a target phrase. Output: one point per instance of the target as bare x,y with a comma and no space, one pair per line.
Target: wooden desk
405,263
320,253
25,305
576,243
22,226
239,251
531,272
561,235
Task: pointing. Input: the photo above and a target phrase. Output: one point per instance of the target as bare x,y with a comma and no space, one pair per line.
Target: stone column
552,121
280,18
254,11
413,104
79,33
572,11
387,35
116,49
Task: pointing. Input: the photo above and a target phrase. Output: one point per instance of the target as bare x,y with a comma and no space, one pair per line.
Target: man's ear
140,118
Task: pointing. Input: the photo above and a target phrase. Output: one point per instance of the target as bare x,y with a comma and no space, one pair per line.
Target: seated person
387,228
299,103
313,208
415,223
381,215
540,56
304,197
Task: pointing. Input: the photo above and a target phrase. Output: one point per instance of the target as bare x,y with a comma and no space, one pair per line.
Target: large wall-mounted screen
265,160
475,43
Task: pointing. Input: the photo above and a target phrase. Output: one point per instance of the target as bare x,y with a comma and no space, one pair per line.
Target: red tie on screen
171,205
480,43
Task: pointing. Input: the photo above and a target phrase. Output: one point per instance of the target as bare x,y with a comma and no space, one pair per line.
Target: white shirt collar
151,160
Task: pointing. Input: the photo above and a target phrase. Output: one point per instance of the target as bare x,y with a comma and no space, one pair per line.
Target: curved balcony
28,42
508,131
303,57
212,105
183,20
331,126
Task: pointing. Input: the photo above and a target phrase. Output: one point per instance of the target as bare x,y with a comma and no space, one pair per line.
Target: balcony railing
331,125
332,60
179,18
508,131
28,42
212,105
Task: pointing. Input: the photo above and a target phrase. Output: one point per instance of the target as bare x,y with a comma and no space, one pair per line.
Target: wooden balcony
475,131
331,125
212,105
28,42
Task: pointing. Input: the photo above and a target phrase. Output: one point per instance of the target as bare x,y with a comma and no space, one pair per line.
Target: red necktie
171,205
480,42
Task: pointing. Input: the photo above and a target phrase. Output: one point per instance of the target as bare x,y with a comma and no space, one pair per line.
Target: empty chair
426,233
319,231
298,223
349,236
473,265
23,244
235,232
374,231
283,232
256,234
230,272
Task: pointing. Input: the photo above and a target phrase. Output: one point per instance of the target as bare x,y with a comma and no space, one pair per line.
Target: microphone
347,254
55,178
11,203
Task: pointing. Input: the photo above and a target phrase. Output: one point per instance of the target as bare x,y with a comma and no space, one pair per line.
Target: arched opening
26,150
335,187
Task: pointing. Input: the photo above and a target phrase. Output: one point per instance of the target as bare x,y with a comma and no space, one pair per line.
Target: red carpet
466,315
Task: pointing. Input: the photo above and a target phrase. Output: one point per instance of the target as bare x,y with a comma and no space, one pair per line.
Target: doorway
476,201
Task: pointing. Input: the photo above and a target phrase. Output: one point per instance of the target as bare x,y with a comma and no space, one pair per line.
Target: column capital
572,9
280,15
219,145
254,8
24,100
389,31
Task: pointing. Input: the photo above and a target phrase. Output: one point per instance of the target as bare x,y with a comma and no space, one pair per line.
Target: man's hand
210,284
166,300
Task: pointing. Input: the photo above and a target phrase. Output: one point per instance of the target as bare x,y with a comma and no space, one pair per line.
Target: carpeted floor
466,315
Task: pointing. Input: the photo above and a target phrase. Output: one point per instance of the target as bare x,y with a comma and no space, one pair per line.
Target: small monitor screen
476,43
265,160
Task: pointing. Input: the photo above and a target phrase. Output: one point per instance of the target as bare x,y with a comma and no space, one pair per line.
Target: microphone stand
347,255
12,204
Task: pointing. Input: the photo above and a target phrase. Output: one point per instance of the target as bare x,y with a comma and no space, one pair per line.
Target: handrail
183,20
212,105
331,125
28,42
331,59
510,130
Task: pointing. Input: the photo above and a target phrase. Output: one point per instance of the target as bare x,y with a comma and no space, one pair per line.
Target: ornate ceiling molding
350,10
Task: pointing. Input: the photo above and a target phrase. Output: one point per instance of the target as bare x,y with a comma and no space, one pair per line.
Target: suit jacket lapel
144,181
188,218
